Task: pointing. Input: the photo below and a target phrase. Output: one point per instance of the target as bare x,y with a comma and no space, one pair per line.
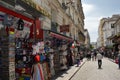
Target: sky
94,10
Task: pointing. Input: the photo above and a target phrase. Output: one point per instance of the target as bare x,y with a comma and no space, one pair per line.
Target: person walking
92,56
78,59
95,54
99,58
119,59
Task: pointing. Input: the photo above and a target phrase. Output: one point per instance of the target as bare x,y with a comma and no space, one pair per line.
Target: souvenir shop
60,46
22,50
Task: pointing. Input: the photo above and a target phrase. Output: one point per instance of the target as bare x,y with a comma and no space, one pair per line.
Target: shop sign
64,28
37,7
39,31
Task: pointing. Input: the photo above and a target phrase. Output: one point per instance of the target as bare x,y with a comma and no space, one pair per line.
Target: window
112,25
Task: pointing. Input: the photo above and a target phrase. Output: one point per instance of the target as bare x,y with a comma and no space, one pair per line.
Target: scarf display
37,72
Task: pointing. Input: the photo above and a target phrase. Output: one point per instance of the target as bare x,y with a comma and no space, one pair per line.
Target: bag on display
18,43
20,24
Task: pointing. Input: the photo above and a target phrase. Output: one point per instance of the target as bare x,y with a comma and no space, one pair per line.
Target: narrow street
90,71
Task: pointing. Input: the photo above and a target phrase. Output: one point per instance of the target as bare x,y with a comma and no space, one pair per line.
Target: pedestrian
99,58
78,59
92,56
95,54
81,56
119,59
89,56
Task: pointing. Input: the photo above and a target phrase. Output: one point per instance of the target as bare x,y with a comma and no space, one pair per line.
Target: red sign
64,28
39,31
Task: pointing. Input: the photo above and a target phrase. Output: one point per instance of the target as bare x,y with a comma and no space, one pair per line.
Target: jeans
99,63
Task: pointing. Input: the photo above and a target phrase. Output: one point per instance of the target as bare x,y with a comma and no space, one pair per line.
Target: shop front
60,46
21,46
14,33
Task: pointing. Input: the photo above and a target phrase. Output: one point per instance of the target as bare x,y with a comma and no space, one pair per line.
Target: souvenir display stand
51,46
18,49
42,62
63,54
59,53
21,46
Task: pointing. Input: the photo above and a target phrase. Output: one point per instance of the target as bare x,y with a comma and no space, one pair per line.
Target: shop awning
60,36
16,14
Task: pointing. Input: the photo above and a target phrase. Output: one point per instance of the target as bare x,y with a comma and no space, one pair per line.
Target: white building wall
107,32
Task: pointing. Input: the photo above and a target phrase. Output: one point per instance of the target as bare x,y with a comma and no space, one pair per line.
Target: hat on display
37,58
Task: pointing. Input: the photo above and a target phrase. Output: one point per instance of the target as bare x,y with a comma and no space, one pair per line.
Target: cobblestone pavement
90,71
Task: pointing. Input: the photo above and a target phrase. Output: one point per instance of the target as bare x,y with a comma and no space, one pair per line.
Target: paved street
69,73
90,71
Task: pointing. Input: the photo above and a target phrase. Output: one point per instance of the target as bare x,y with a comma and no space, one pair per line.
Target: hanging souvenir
42,57
8,20
73,45
1,17
24,58
17,34
37,72
34,50
20,24
26,30
38,47
18,43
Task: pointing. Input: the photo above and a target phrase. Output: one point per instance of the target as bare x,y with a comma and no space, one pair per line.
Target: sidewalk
111,60
67,75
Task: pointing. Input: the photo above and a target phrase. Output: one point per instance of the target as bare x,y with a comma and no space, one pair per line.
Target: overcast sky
94,10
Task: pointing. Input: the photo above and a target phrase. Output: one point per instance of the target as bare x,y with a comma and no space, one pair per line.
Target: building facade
94,45
87,39
100,32
106,30
43,27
